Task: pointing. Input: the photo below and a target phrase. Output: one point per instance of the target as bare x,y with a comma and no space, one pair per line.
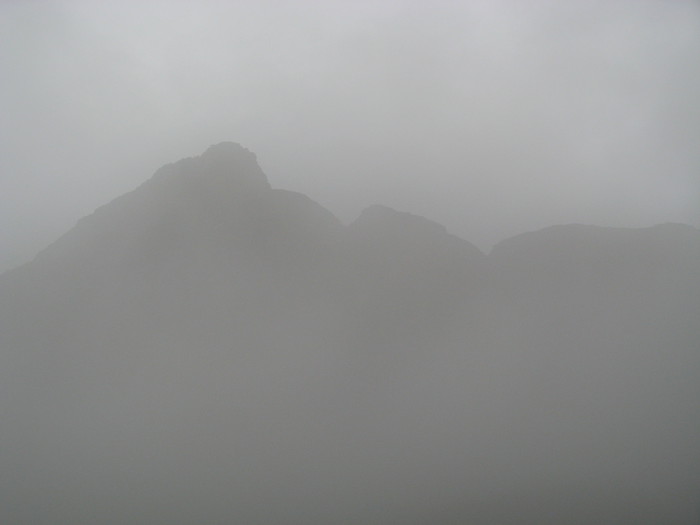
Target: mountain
210,349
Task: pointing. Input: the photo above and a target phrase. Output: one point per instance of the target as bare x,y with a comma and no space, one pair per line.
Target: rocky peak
227,167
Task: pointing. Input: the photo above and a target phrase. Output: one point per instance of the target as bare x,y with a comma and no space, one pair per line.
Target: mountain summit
228,165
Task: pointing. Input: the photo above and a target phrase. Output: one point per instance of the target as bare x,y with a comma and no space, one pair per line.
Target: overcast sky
491,117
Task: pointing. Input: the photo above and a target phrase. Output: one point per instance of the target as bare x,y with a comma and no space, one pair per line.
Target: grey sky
491,117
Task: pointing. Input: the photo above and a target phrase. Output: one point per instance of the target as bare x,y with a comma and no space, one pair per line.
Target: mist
492,118
208,347
345,263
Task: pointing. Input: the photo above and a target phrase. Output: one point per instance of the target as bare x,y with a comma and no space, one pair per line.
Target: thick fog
491,117
261,288
208,348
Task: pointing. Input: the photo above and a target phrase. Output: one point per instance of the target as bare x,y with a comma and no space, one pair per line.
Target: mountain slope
209,349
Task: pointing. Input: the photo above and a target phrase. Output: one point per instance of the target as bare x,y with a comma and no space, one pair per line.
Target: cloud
491,117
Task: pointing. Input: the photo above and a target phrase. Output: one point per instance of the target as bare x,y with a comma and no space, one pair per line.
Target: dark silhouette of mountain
210,349
411,279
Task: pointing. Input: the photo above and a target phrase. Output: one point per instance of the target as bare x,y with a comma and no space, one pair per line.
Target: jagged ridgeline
209,349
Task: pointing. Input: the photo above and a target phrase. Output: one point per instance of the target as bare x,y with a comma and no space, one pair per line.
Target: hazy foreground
207,349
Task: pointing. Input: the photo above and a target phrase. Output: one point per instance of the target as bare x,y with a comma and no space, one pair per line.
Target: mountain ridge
208,348
228,172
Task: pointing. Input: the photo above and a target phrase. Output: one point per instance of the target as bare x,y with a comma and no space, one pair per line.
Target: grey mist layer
493,117
210,349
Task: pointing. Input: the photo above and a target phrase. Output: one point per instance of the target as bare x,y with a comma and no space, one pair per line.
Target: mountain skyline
226,151
491,117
